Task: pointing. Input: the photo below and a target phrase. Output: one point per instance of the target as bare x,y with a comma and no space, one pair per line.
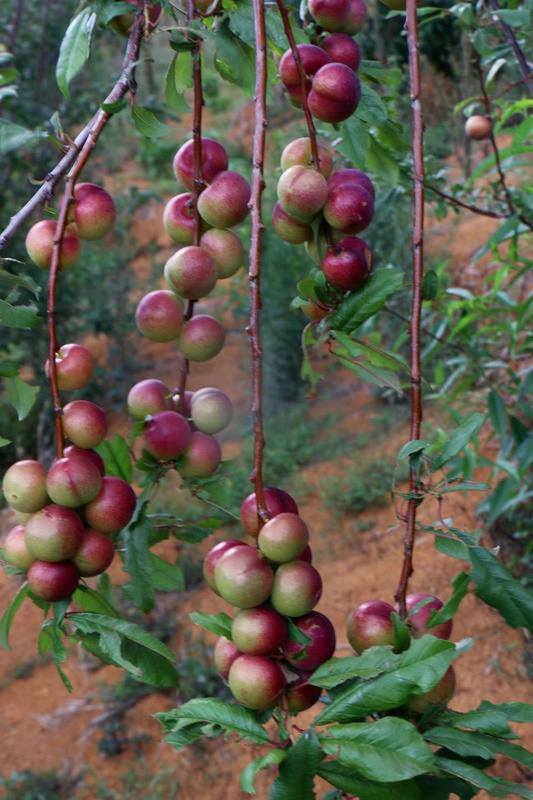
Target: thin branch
513,41
303,81
448,198
254,271
418,277
46,190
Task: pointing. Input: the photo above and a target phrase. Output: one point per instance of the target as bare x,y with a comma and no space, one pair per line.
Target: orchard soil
42,728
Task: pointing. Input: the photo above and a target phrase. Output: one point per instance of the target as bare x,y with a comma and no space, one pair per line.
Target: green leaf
273,757
8,369
497,587
117,458
178,79
18,316
296,635
90,600
516,712
367,301
371,109
347,781
496,787
412,447
298,770
75,48
462,435
461,583
9,615
137,562
21,395
371,663
228,716
234,60
477,745
15,137
498,413
51,641
219,624
24,281
355,141
4,442
443,788
147,123
166,577
388,750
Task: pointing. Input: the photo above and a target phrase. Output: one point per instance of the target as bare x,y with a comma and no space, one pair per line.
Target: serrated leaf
371,663
477,745
75,48
298,770
367,301
371,109
90,600
355,141
147,123
166,577
137,562
228,716
117,458
21,395
497,587
496,787
272,758
24,317
9,615
219,624
462,435
347,780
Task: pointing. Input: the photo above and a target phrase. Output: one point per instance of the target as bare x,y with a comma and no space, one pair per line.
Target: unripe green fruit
53,582
297,588
259,631
226,250
243,577
95,554
440,695
202,338
15,549
211,410
191,272
302,192
54,534
112,508
84,423
224,655
40,244
147,397
202,456
370,624
283,538
298,153
73,482
74,367
159,316
24,486
225,202
93,212
256,682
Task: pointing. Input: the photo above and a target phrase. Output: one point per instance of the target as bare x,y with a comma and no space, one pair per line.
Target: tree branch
511,38
448,198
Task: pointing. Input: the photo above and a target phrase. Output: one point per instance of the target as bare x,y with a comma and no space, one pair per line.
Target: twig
448,198
301,74
511,38
46,190
254,271
418,276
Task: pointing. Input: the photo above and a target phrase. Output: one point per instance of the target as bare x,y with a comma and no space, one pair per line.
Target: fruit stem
254,271
301,74
413,44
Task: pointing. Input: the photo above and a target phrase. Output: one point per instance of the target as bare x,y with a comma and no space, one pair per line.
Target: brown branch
418,277
46,190
303,82
448,198
512,40
15,26
254,271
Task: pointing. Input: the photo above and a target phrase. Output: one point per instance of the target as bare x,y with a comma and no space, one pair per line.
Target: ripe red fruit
54,533
15,549
440,695
301,695
74,367
112,508
276,501
335,93
283,538
225,202
90,455
342,49
202,338
243,577
288,228
93,211
40,243
312,58
95,554
224,655
351,176
167,435
53,582
331,15
322,646
349,208
297,589
419,618
147,397
84,423
357,16
347,264
213,557
179,220
24,486
191,272
298,153
370,624
256,682
226,250
159,316
73,482
211,410
307,555
478,127
259,631
302,192
214,160
202,456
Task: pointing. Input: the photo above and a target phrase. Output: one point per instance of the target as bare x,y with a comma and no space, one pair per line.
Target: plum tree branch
254,271
454,201
413,44
513,41
46,190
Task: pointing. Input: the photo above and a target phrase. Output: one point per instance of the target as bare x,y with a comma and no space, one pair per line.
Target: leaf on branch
228,716
21,395
496,787
461,583
147,123
477,745
298,770
462,435
497,587
345,779
15,137
177,81
219,624
371,663
116,457
9,615
24,317
272,758
51,641
75,48
367,301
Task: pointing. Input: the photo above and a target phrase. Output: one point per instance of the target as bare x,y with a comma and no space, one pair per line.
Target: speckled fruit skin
191,272
297,589
335,93
84,423
288,228
351,176
342,49
312,58
301,695
95,554
370,624
54,533
478,127
73,482
243,577
225,202
90,455
283,538
147,397
166,435
211,410
214,160
347,264
53,582
202,456
419,618
40,242
24,486
226,250
213,557
440,695
15,550
349,208
276,501
178,219
259,631
256,682
202,338
225,653
322,634
159,316
94,211
74,367
112,508
298,153
302,192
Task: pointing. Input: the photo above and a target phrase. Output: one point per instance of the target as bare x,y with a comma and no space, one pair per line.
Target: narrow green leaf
496,787
367,301
21,395
219,624
498,413
462,435
176,82
345,779
371,663
51,641
117,458
147,123
273,757
414,446
24,317
15,137
477,745
497,587
228,716
75,48
136,540
9,615
90,600
461,583
297,772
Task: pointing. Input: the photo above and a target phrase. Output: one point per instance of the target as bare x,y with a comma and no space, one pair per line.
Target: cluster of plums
268,584
332,87
192,272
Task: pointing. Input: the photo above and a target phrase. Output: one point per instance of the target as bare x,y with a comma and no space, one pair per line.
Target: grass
359,487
